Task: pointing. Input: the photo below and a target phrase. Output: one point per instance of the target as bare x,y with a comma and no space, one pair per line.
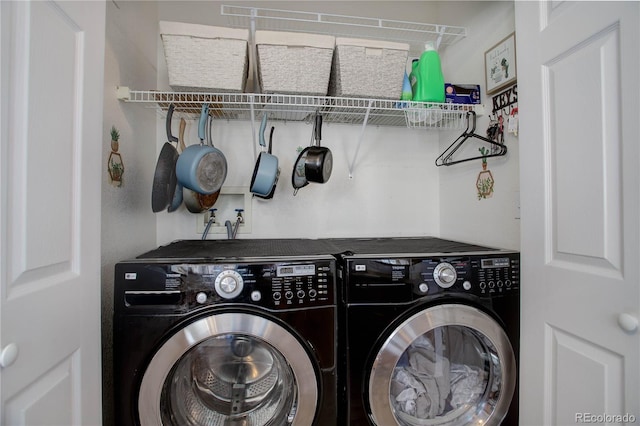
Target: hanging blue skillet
265,172
201,167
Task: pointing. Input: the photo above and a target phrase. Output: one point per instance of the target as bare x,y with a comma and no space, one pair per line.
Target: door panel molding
601,373
583,155
49,399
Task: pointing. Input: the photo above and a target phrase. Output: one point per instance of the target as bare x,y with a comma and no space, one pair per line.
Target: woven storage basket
368,68
294,63
205,58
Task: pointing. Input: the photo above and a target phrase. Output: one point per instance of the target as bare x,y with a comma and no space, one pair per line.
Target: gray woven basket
202,58
368,68
294,63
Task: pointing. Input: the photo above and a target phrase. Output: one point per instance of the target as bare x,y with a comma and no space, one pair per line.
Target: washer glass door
229,369
446,365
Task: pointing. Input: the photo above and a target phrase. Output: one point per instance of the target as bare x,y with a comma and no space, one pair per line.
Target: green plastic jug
427,81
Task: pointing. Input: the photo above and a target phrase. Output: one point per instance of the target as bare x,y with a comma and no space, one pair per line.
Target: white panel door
578,81
50,162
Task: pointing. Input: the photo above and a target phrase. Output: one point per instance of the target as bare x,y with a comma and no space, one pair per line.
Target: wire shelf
240,106
413,33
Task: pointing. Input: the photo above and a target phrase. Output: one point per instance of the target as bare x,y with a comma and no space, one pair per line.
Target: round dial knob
445,275
229,284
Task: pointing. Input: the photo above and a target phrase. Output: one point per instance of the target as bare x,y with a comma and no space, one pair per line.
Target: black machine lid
251,248
239,248
402,245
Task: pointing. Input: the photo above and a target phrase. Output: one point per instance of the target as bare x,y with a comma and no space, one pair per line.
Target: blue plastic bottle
407,92
427,81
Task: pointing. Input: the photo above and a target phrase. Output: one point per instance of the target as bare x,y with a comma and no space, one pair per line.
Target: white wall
493,221
128,225
394,189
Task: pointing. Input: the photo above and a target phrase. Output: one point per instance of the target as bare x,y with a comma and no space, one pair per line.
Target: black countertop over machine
243,248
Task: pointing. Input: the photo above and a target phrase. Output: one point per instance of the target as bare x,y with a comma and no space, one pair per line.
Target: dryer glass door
229,369
447,365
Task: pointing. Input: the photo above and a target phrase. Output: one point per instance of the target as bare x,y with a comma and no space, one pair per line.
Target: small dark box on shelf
462,93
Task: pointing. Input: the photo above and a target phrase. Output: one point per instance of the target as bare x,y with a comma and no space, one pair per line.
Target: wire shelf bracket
360,139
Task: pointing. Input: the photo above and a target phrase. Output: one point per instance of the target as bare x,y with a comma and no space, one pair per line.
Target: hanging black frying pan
314,163
319,161
164,178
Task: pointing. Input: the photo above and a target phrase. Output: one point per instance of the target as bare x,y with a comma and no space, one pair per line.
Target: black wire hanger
445,158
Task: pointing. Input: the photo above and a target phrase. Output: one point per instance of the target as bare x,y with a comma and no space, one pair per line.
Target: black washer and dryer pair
227,332
245,332
430,333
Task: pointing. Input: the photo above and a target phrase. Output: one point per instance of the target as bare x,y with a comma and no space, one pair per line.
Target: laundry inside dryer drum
230,379
445,377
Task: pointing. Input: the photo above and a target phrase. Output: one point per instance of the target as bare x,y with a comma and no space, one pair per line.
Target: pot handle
318,128
271,139
203,121
263,127
183,126
170,137
209,130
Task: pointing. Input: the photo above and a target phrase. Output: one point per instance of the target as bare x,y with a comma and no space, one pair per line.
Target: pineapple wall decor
115,165
485,182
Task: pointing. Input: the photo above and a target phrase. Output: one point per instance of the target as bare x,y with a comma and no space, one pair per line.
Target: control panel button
201,297
300,294
277,295
423,288
288,295
256,296
466,285
229,284
313,293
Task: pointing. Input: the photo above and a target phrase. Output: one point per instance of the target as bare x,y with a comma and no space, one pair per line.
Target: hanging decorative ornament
484,183
115,165
513,122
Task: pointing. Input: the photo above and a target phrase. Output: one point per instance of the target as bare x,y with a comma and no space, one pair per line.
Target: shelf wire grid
283,107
